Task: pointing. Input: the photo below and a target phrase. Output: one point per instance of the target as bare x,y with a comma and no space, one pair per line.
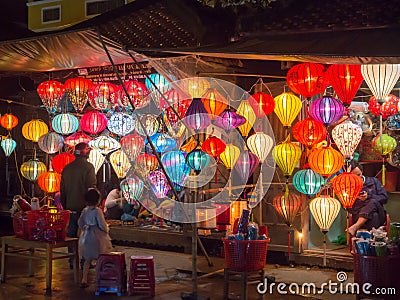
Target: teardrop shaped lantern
162,142
214,102
324,209
287,107
345,80
196,116
150,123
174,163
8,121
197,160
93,122
384,145
347,136
229,120
97,159
132,188
77,91
286,156
51,142
105,144
325,161
120,163
246,165
121,123
326,110
157,85
32,169
34,129
262,104
287,206
158,184
195,86
49,181
146,163
137,92
132,145
8,145
230,156
347,188
260,144
213,146
308,182
175,104
76,138
306,79
246,111
309,132
61,160
51,93
189,145
65,124
101,95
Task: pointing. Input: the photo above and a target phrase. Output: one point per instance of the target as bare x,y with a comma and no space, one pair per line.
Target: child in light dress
94,238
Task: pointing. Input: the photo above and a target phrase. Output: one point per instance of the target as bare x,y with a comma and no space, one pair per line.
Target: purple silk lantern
327,110
246,164
159,184
196,116
229,120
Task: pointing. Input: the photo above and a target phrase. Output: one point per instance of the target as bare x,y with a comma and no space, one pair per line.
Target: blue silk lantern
197,160
308,182
175,165
161,142
246,164
157,84
229,120
326,110
132,188
121,123
196,116
8,145
65,124
159,184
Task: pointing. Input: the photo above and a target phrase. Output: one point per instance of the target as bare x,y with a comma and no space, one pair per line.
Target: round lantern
345,80
287,206
197,160
213,146
246,111
132,145
175,130
347,136
229,120
308,182
309,132
325,161
347,188
32,169
150,123
246,165
260,144
34,129
132,188
287,107
93,122
162,142
326,110
158,183
77,91
146,163
120,163
137,92
121,123
230,156
8,145
384,144
51,93
195,86
286,156
49,181
262,104
61,160
174,163
51,142
96,159
175,104
214,102
101,95
196,116
65,124
388,108
105,144
76,138
306,79
8,121
324,209
156,84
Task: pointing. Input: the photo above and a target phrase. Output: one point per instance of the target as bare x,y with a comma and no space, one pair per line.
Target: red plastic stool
141,276
111,273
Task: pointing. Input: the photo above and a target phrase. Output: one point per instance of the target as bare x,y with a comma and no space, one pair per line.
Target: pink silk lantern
246,165
93,122
159,184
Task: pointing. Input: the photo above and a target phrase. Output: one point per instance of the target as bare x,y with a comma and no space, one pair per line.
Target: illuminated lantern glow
65,124
93,122
161,142
262,104
306,79
246,111
34,129
214,102
158,184
309,132
308,182
175,105
213,146
287,107
286,156
206,217
51,93
132,145
347,136
345,80
195,86
388,108
324,209
196,116
246,165
102,95
326,110
121,123
51,142
121,102
105,144
197,160
32,169
190,145
347,188
229,120
49,181
96,158
120,163
157,85
230,156
132,188
260,144
146,163
76,138
287,206
175,130
8,121
150,123
174,163
137,92
77,90
8,145
61,160
325,161
384,145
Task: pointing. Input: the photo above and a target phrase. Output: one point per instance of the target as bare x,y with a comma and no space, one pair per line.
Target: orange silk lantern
287,206
34,129
214,102
309,132
213,146
77,91
347,187
146,163
49,181
325,161
8,121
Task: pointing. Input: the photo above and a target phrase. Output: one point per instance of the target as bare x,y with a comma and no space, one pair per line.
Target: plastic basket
19,225
249,255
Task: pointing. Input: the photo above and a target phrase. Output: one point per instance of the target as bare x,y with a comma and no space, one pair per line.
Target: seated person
368,210
118,208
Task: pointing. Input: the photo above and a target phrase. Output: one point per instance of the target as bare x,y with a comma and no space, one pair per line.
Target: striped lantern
262,104
8,121
93,122
132,145
229,120
246,165
309,132
324,209
121,123
213,146
77,91
326,110
105,144
132,188
195,86
347,188
96,159
101,95
51,142
175,166
61,160
157,85
287,107
137,92
325,161
150,123
8,145
196,116
159,184
34,129
120,163
308,182
230,156
49,181
32,169
161,142
76,138
286,156
347,136
287,206
260,144
246,111
175,105
214,102
65,124
146,163
51,93
197,160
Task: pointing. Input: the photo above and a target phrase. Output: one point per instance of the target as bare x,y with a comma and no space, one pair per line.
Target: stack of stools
141,278
111,275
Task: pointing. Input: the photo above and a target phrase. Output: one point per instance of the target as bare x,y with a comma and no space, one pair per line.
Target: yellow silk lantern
195,86
34,129
96,159
32,169
246,111
287,107
286,156
325,160
230,156
120,163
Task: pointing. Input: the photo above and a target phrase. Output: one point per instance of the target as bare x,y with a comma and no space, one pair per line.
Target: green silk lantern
384,144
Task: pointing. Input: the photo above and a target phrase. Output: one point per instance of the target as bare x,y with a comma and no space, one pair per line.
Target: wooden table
39,251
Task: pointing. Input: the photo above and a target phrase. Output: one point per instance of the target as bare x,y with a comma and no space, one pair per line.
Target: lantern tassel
383,173
288,246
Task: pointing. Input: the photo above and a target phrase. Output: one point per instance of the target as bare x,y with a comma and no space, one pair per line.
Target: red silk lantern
287,205
213,146
93,122
214,102
8,121
76,138
388,108
347,187
309,132
173,97
262,104
77,91
132,145
146,163
49,181
102,95
345,80
51,93
325,161
61,160
306,79
137,92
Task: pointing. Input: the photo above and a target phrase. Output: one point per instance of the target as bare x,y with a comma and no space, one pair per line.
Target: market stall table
34,250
